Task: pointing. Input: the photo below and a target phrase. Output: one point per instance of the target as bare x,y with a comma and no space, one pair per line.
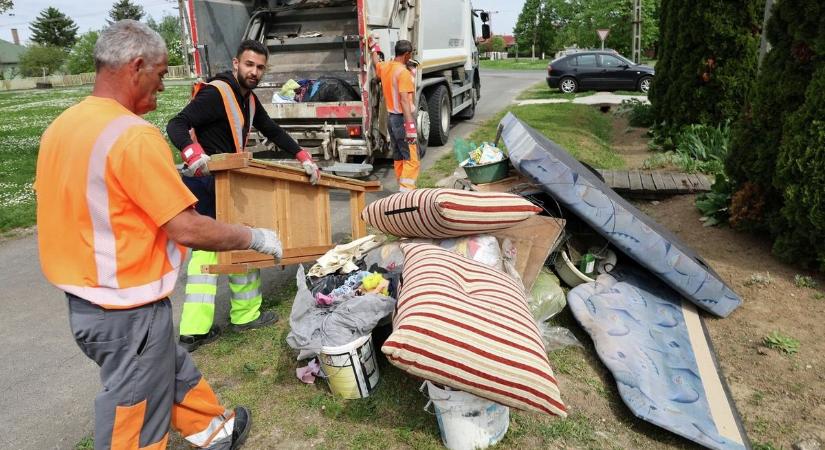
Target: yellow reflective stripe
233,112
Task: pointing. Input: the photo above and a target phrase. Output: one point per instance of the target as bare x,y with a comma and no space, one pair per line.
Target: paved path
47,386
599,98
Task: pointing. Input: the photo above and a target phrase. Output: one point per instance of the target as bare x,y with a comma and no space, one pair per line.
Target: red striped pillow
443,213
467,326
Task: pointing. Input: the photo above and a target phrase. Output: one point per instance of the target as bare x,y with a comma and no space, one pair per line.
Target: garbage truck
337,112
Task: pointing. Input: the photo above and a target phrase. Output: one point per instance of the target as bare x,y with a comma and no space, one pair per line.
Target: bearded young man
218,120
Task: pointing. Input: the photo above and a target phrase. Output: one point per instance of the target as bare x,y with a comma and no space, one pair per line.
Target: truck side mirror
485,16
485,31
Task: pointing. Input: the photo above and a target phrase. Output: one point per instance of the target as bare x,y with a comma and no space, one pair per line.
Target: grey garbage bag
342,322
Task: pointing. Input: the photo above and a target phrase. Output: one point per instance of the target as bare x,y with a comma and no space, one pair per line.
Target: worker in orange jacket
114,220
398,87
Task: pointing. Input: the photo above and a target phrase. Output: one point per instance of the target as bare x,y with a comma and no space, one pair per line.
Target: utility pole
185,43
637,31
763,42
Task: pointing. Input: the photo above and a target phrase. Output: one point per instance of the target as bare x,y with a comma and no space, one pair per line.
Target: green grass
87,443
581,130
26,114
512,64
541,91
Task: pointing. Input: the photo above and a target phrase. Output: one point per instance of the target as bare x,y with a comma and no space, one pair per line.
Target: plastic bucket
568,272
351,369
488,173
467,422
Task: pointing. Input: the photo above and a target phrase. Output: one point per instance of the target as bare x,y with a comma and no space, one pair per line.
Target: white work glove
266,241
196,161
310,168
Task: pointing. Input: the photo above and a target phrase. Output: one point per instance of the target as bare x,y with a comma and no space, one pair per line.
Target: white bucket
351,369
467,422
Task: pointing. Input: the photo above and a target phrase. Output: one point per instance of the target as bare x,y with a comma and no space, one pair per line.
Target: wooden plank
658,181
608,176
635,180
706,182
223,206
648,186
246,267
357,203
249,256
621,180
682,182
669,184
302,178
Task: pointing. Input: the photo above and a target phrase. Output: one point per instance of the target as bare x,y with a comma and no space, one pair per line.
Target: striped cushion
467,326
442,213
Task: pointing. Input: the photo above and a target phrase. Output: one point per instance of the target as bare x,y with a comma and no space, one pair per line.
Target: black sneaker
243,422
264,320
191,343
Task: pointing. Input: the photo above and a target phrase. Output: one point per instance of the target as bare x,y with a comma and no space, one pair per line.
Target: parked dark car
599,70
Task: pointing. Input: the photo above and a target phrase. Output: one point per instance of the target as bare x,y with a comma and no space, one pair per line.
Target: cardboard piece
535,239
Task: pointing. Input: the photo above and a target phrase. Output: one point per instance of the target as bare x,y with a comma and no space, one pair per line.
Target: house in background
10,57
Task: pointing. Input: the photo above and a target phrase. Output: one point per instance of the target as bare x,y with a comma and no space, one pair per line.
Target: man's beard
245,84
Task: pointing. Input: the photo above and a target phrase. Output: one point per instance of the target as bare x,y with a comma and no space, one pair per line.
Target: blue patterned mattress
657,348
579,190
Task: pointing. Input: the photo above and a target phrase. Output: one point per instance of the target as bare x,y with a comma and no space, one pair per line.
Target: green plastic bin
488,173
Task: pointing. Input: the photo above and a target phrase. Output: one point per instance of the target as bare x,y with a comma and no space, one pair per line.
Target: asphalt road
47,386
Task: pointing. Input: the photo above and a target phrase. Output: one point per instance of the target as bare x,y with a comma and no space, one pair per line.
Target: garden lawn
26,114
513,64
582,130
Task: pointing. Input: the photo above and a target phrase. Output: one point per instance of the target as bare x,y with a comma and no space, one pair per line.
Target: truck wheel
470,111
423,125
439,106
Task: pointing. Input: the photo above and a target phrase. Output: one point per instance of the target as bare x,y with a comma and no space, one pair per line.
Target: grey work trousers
145,374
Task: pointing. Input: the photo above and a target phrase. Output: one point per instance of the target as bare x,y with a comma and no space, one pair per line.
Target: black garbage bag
333,89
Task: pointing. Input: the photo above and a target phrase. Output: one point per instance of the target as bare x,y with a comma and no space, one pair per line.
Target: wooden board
621,180
263,194
635,180
648,185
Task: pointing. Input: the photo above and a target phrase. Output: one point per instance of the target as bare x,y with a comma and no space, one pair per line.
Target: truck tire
423,125
470,111
440,112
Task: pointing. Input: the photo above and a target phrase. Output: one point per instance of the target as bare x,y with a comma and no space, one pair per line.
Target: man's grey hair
126,40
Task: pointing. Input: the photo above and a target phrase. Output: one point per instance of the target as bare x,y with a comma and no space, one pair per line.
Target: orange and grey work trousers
404,155
149,382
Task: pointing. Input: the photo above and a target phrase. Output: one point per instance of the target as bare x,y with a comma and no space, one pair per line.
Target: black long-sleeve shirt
207,116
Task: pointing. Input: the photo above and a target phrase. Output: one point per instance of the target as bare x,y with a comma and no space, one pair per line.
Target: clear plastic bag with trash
547,297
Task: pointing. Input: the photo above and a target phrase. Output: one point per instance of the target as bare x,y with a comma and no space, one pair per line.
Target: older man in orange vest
113,217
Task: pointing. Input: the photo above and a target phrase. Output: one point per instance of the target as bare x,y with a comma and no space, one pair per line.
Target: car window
586,60
610,61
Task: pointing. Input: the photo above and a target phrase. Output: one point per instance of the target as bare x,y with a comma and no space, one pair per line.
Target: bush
776,161
640,114
714,204
708,57
697,148
38,60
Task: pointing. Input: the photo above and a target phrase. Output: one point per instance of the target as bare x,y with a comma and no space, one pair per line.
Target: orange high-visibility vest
396,79
106,184
234,114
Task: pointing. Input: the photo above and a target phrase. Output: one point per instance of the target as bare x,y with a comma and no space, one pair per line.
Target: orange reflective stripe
233,112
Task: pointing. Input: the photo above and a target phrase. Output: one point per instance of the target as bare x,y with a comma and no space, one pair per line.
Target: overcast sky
92,14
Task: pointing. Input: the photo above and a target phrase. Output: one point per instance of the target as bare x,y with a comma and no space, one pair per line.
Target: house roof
10,52
509,40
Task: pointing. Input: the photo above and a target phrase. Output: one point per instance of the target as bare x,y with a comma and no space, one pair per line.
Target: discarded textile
308,373
288,89
338,324
444,213
467,326
343,257
656,346
576,188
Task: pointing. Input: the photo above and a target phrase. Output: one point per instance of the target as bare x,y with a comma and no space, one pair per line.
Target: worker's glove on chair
196,161
410,132
266,241
311,169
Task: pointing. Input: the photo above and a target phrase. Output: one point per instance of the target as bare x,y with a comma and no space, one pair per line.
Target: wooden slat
621,180
246,267
247,256
648,186
706,182
669,186
658,181
682,182
635,180
608,176
357,203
